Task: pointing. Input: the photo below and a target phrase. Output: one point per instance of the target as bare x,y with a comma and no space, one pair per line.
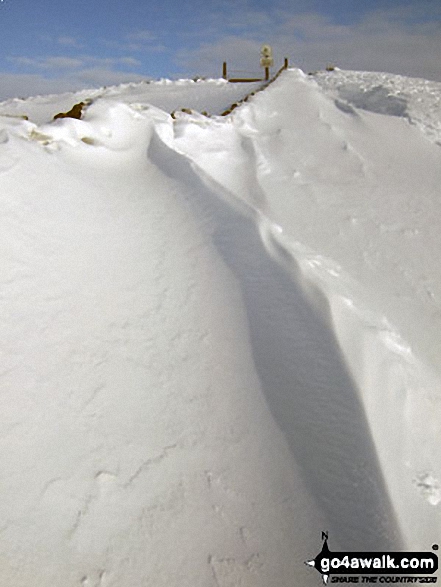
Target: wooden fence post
266,73
286,63
224,70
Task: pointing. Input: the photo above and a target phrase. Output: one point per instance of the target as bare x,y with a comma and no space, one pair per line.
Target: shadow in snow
307,386
377,99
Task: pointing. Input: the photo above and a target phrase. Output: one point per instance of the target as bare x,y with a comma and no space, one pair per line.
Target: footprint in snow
428,487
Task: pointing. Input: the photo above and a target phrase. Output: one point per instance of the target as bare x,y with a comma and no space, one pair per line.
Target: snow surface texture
220,336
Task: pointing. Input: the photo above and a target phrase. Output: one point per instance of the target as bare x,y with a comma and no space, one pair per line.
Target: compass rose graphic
324,553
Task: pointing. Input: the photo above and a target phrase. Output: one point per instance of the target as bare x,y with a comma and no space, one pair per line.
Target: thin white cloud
60,63
130,61
25,85
421,11
110,62
140,48
63,40
63,63
144,36
100,76
23,61
69,42
57,74
137,41
314,26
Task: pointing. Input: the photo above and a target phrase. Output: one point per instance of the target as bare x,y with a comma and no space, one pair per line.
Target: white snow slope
219,336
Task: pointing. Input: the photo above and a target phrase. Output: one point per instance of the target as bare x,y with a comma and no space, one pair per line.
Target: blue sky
57,45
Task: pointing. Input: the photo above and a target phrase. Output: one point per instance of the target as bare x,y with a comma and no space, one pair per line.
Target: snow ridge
290,339
398,391
200,339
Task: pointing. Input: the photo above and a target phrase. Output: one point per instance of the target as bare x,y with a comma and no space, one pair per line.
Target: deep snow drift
220,336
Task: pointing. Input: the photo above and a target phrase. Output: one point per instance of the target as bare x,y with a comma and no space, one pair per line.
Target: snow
220,335
418,100
213,96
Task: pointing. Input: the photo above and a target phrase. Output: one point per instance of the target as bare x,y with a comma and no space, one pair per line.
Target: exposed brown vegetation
185,110
74,112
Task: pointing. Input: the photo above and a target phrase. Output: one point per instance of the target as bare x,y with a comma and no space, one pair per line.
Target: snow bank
213,96
320,175
418,100
217,340
136,441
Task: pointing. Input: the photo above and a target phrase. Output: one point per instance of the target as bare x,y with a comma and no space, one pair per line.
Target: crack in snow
149,462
